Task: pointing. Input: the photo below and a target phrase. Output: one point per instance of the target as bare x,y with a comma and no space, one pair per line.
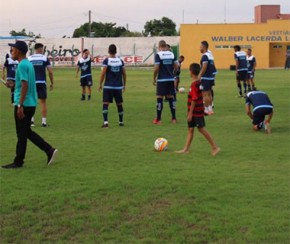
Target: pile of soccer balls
160,144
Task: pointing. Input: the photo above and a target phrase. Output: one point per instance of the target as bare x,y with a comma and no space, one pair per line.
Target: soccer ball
160,144
181,90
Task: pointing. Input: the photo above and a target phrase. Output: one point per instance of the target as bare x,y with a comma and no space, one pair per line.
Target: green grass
109,186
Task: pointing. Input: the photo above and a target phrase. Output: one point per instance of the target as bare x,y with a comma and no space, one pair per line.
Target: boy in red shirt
195,115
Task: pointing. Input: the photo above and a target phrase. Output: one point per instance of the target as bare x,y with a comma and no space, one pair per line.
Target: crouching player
195,115
262,106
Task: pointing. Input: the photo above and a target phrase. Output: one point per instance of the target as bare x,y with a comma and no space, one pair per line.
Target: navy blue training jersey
11,66
241,57
166,61
178,71
114,73
207,58
251,62
258,99
85,66
40,63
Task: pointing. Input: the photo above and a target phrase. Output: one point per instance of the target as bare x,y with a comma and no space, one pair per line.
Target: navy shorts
198,122
165,88
206,85
110,94
242,75
259,115
250,75
41,90
87,81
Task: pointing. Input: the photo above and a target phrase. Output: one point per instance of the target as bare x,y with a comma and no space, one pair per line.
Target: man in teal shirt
25,101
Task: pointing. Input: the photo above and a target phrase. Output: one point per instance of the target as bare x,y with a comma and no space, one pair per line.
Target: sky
58,18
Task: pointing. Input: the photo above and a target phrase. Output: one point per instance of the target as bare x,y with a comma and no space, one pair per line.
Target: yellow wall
260,37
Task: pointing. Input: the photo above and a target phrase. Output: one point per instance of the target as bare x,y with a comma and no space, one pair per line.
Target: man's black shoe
51,155
11,166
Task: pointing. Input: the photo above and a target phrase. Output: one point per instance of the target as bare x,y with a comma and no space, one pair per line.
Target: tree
23,33
132,34
99,29
163,27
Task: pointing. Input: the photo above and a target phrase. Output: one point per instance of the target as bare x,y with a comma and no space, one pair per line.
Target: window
232,46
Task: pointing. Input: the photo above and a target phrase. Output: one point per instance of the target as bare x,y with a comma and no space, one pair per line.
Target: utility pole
90,22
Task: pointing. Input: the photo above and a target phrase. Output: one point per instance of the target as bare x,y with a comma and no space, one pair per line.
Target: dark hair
205,44
237,47
250,49
194,68
181,57
38,45
112,49
85,50
162,43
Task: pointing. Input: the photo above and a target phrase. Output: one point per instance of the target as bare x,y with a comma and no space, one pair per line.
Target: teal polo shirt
25,72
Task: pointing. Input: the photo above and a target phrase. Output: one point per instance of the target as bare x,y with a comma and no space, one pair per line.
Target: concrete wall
65,52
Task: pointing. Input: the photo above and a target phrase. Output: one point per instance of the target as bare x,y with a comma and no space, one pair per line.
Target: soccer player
241,69
195,114
114,74
25,100
251,70
10,66
163,78
84,64
213,84
206,76
262,106
41,63
178,71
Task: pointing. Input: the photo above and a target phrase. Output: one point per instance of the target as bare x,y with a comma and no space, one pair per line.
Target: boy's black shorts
198,122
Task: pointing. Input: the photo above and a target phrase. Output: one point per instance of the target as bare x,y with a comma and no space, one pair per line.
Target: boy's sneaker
51,155
43,125
156,122
121,123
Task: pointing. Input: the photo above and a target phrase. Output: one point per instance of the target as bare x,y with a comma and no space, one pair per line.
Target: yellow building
269,42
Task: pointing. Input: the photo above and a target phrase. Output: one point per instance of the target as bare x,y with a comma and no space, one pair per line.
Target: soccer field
109,186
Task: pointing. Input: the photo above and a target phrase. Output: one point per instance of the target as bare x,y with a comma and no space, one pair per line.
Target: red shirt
195,95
